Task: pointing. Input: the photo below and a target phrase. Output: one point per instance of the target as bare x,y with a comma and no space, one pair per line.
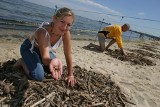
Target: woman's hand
71,80
56,68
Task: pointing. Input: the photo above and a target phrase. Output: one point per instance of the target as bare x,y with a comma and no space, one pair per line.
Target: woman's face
62,25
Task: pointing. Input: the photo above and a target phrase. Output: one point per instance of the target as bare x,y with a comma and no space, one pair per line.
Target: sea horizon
19,15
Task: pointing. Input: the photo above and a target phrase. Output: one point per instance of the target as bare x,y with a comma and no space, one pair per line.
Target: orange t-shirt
115,32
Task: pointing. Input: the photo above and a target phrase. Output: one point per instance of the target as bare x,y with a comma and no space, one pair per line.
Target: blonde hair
62,12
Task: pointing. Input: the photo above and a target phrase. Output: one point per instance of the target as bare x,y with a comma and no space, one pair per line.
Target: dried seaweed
92,90
138,57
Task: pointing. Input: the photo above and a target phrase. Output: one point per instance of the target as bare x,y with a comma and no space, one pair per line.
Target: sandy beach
140,81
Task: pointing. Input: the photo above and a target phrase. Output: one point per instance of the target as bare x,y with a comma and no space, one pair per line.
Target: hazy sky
142,15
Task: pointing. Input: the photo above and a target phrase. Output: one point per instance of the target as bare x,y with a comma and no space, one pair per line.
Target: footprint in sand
139,98
150,101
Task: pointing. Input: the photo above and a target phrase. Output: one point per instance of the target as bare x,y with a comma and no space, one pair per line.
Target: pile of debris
136,57
92,90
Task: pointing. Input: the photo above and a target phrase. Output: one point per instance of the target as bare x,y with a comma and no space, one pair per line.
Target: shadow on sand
92,47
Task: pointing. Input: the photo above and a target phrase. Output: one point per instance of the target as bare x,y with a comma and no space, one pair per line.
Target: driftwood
92,90
3,99
47,97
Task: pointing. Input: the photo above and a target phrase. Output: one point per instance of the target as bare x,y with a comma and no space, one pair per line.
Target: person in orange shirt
113,32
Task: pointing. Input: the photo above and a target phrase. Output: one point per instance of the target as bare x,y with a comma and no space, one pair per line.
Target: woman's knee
38,76
38,73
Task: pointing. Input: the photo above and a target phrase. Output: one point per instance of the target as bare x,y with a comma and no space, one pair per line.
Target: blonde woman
38,51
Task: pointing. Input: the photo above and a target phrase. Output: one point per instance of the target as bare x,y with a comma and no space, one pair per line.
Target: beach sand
139,81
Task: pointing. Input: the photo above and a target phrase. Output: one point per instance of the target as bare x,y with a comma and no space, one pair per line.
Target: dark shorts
102,35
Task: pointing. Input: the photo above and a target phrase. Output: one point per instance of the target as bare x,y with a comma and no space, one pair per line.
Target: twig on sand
1,100
47,97
97,104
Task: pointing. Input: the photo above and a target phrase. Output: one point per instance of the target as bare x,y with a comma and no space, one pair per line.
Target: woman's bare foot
20,63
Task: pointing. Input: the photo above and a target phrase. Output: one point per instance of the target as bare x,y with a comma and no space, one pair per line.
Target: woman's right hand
56,68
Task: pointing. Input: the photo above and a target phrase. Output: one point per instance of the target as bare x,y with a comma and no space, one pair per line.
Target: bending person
37,51
113,32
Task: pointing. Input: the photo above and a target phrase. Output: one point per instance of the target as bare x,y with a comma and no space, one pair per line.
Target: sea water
22,15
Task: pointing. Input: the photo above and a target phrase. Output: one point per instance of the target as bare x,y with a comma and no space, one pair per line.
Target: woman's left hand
71,80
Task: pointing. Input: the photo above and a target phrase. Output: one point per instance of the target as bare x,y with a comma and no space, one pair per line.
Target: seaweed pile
91,90
135,57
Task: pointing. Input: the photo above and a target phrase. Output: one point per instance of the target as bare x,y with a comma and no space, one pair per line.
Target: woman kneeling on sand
37,51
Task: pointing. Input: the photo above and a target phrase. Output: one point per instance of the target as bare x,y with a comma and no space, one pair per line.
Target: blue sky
142,15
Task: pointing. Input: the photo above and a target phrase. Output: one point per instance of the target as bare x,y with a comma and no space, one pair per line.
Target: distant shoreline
78,32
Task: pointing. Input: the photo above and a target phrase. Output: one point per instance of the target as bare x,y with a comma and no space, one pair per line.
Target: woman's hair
62,12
